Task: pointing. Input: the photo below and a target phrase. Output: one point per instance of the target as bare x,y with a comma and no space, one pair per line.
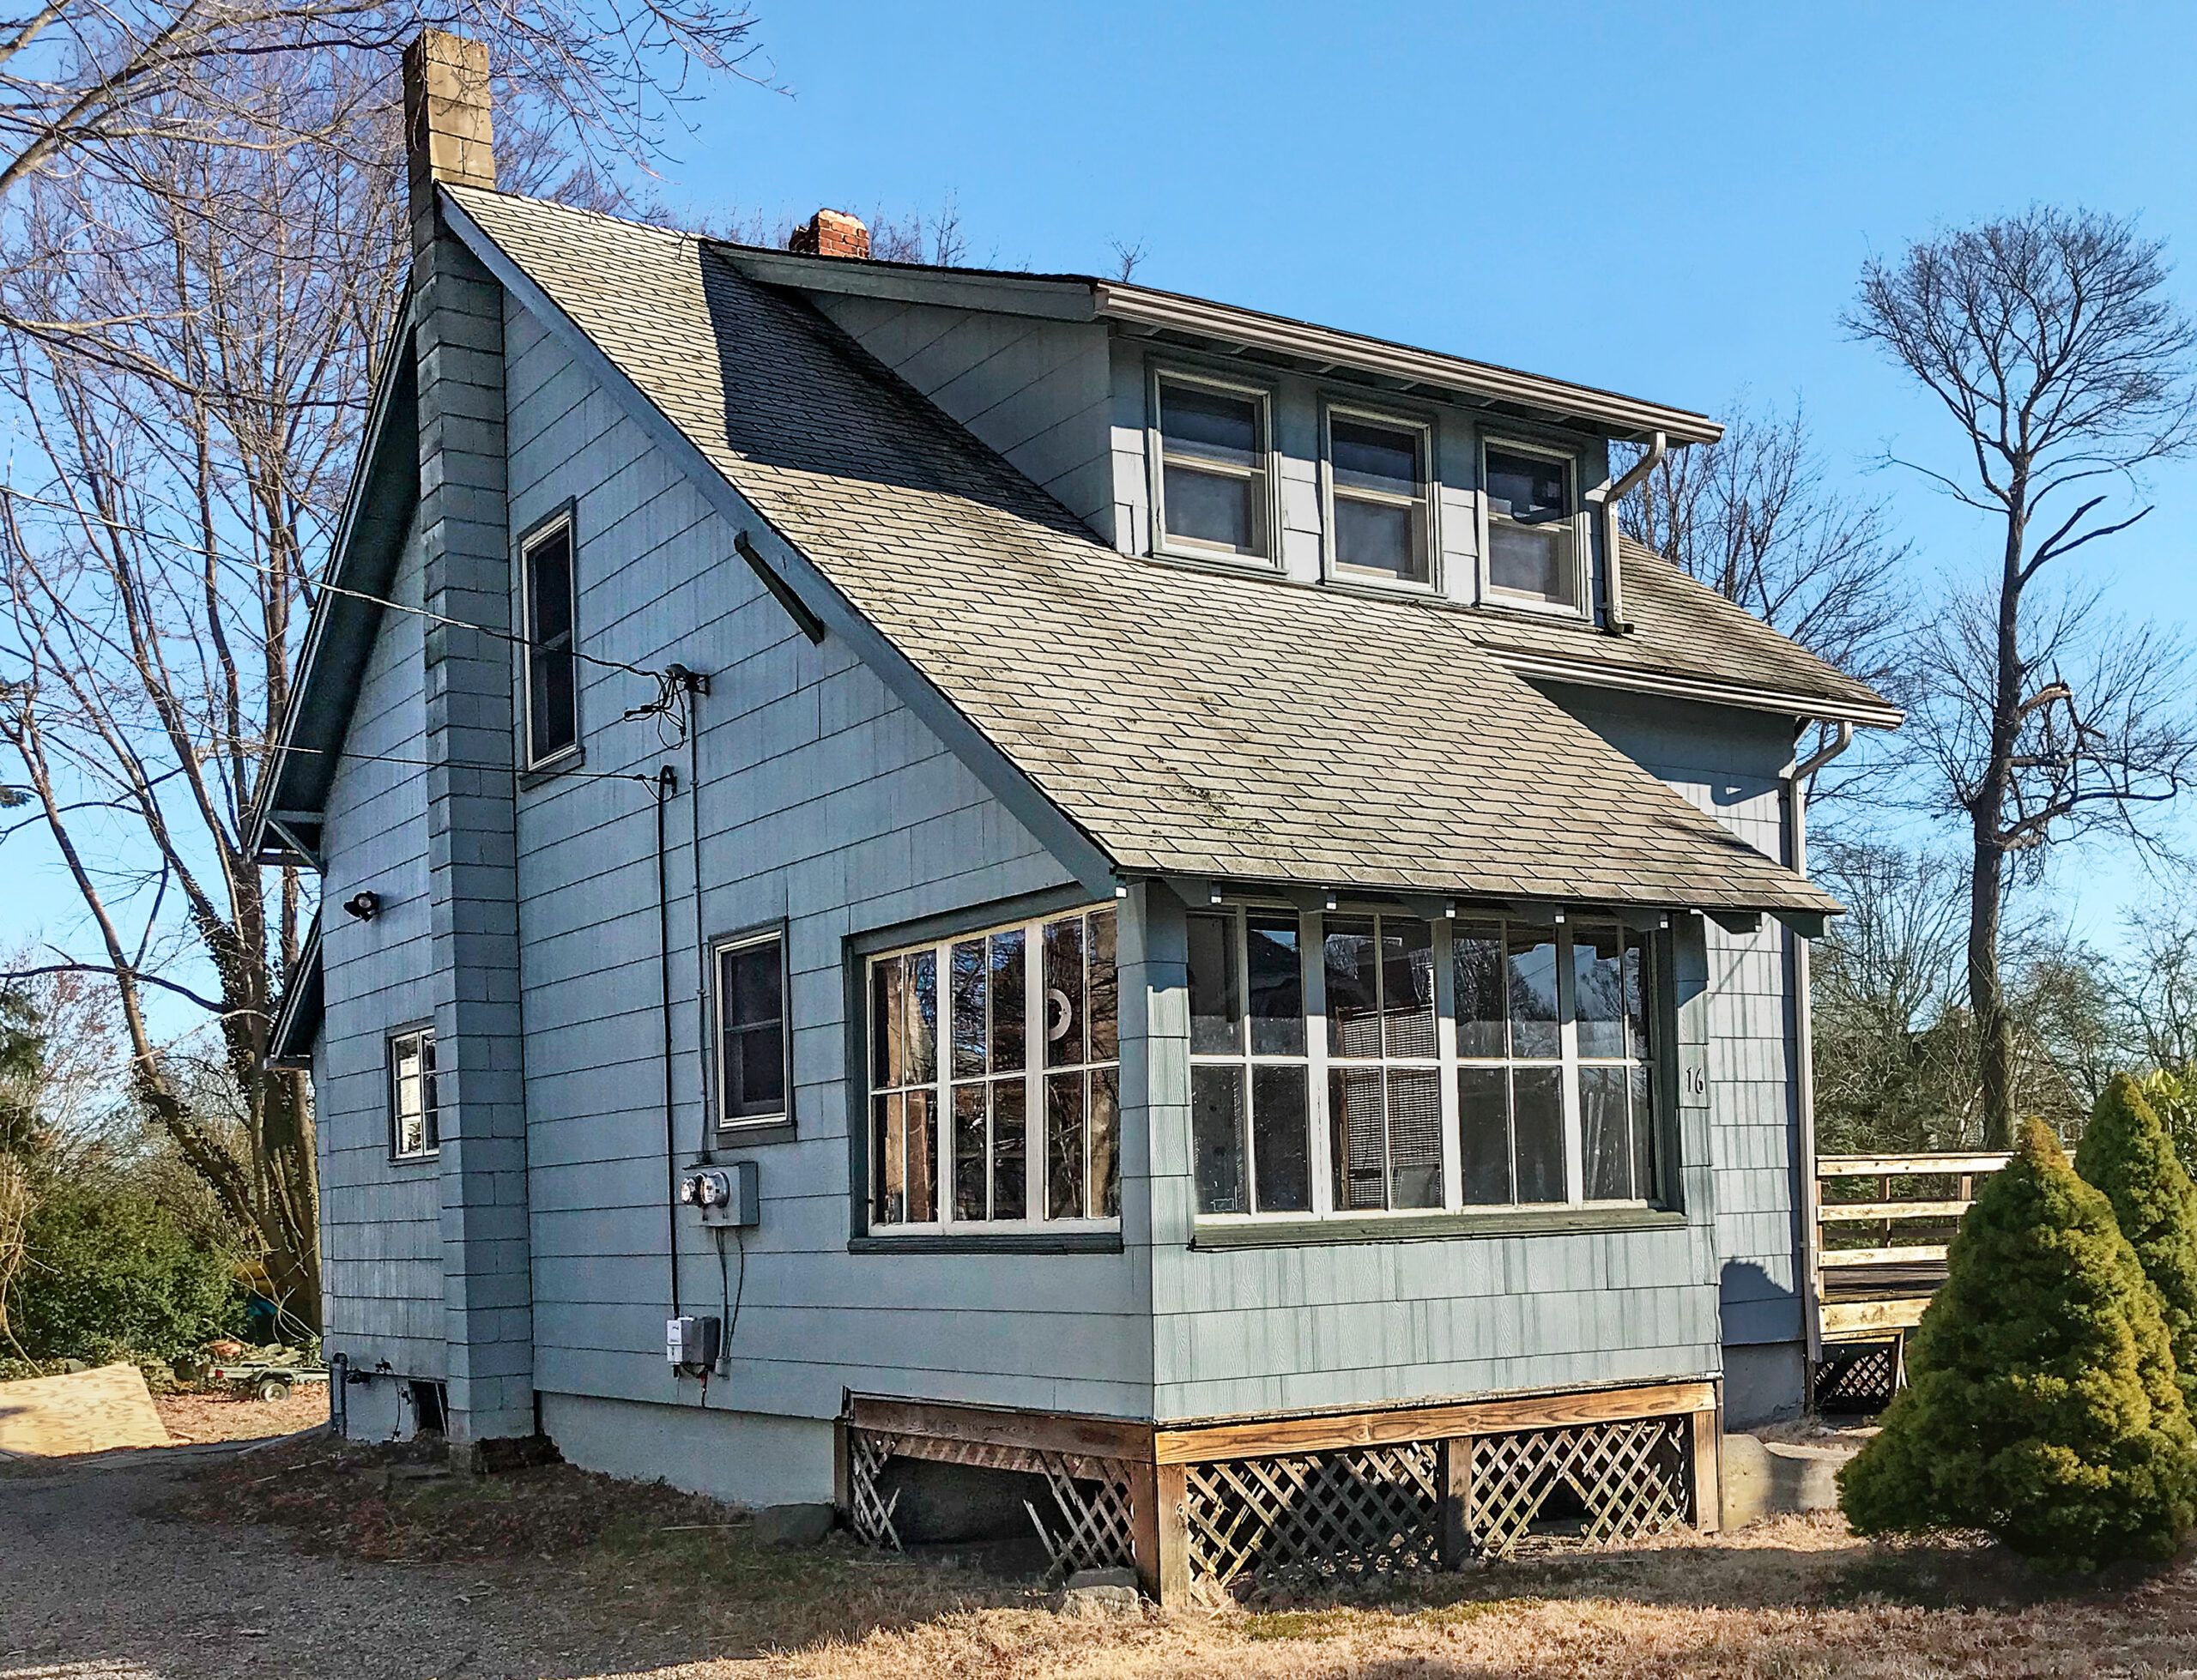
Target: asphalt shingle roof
1189,721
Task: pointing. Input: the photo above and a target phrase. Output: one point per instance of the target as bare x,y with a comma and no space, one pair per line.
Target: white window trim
1179,548
1662,1026
729,1127
1034,1070
1427,502
548,528
1582,532
396,1150
1247,1060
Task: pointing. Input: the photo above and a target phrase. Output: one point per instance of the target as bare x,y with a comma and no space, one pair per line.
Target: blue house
945,887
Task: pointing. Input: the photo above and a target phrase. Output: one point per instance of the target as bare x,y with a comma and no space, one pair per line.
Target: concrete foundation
1765,1382
742,1457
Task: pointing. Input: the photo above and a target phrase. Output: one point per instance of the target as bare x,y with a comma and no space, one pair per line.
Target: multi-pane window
413,1127
1250,1073
1532,546
1358,1063
1213,467
995,1078
553,713
752,1037
1377,495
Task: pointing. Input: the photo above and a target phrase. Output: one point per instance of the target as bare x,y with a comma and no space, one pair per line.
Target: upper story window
753,1041
415,1127
995,1079
553,706
1352,1064
1212,488
1377,497
1532,549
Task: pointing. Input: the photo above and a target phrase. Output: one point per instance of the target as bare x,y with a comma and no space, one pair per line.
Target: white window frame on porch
1661,1016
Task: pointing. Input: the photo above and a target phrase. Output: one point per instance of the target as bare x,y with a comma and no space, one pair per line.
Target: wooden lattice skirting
1090,1525
1860,1377
1313,1516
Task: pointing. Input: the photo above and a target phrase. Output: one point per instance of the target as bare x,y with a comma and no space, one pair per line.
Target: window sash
780,1024
1645,1135
1043,1078
415,1112
1418,504
1255,474
553,727
1562,533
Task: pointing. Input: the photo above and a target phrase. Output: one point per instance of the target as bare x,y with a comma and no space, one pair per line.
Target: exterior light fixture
363,905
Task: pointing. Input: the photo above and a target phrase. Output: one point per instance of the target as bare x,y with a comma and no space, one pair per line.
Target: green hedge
110,1275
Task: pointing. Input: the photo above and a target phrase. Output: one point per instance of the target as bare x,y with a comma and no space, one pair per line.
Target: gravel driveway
92,1588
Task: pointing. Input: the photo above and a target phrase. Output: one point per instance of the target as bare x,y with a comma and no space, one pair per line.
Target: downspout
1607,495
1804,1162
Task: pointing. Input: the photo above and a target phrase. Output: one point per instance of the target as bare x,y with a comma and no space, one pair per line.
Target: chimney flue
830,234
449,134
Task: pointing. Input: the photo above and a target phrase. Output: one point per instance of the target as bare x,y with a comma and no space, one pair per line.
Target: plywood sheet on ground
85,1411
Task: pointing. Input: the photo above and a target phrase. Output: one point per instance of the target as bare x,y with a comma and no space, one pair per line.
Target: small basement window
752,1038
1377,497
1532,550
414,1128
553,712
1212,468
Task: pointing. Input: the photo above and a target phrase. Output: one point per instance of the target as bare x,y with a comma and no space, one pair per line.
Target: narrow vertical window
414,1128
1384,1099
1532,551
1377,499
1213,467
1250,1107
752,1041
553,715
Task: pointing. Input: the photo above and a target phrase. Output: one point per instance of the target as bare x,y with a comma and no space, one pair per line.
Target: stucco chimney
448,132
830,234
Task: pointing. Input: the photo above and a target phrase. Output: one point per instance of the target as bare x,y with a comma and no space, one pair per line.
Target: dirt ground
204,1563
192,1419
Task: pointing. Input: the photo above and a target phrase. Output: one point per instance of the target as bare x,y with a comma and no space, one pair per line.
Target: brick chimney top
830,234
448,132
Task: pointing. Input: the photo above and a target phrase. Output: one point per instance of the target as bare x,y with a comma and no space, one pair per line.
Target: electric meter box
724,1195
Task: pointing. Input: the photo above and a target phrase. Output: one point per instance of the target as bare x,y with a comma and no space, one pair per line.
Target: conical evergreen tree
2042,1402
2126,1153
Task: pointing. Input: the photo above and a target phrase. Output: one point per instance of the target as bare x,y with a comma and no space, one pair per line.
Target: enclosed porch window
995,1079
1354,1064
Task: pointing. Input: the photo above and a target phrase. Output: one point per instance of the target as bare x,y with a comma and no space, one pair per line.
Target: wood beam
991,1426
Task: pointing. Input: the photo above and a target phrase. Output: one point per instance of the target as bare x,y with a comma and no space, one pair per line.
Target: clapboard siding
825,806
1034,390
1371,1323
381,1241
1731,763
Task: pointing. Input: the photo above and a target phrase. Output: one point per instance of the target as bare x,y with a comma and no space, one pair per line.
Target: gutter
1607,495
1808,1280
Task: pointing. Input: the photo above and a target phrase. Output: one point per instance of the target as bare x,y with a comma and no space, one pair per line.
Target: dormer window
1532,550
1377,495
1212,468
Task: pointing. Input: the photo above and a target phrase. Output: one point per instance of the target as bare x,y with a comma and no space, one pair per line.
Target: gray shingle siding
825,806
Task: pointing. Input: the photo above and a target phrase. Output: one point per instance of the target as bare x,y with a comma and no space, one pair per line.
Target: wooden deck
1882,1224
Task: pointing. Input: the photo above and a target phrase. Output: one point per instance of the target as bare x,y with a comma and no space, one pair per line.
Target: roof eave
1828,707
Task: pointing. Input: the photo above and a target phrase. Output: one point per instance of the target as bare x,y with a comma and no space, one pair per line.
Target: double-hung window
1212,483
753,1042
415,1129
553,707
1533,546
995,1079
1375,1063
1377,497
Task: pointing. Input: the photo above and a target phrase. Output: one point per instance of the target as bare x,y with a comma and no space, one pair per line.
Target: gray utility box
690,1343
724,1195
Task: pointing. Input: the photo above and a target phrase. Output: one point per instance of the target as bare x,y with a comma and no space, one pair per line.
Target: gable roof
1184,722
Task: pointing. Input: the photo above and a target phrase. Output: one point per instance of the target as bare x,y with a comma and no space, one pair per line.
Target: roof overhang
1205,891
297,1017
1593,673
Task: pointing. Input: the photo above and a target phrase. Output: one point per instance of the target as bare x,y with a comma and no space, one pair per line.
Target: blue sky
1672,201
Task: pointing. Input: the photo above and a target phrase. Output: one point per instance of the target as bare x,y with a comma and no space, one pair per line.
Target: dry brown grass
198,1417
1799,1597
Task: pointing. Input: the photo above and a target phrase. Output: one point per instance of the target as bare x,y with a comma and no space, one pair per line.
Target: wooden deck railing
1881,1282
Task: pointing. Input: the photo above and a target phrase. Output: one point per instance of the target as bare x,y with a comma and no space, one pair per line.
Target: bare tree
2050,339
93,78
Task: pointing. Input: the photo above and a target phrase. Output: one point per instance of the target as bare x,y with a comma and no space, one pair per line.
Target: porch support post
1707,1441
1161,1497
1454,1483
